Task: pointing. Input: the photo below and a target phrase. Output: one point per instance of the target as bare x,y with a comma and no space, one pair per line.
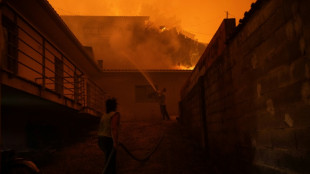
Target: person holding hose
162,103
108,134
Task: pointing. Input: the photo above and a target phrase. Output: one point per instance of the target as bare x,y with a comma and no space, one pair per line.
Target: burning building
99,32
129,45
131,42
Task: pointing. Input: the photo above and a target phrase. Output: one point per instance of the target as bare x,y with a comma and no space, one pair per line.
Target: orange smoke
200,17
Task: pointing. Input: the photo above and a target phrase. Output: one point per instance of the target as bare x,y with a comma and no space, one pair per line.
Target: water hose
147,157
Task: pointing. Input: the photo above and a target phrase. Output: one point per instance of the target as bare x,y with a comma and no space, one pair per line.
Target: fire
200,17
184,67
162,28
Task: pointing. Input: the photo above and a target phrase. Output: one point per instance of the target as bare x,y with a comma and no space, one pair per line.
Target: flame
184,67
162,28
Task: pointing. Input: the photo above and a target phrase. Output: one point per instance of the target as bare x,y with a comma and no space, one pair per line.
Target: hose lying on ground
147,157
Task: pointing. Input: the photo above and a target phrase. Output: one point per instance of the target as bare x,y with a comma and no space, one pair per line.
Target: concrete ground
175,155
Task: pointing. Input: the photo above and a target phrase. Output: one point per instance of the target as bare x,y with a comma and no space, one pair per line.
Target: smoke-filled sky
199,17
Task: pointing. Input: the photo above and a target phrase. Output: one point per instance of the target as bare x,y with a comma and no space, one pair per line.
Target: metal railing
31,56
94,100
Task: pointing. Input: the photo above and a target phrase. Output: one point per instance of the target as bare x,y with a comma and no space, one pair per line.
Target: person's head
111,105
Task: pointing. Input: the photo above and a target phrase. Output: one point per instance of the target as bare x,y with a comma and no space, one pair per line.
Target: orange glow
199,17
182,67
162,28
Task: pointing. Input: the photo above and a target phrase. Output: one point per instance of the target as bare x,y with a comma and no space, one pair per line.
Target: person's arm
115,122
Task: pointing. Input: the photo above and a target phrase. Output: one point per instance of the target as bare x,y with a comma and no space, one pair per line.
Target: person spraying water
162,103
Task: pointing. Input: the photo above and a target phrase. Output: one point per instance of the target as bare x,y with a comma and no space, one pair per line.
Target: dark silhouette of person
108,134
162,104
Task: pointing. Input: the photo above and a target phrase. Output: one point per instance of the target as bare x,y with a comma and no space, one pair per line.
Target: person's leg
162,111
113,163
101,144
106,144
166,113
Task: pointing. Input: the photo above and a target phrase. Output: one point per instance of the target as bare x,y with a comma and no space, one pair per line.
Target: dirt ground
175,155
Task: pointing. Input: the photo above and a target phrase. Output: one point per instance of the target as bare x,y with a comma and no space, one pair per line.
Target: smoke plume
152,47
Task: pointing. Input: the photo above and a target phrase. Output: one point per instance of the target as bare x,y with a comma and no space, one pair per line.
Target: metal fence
33,57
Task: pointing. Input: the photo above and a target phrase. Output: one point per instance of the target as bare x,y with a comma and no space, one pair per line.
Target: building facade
46,74
137,99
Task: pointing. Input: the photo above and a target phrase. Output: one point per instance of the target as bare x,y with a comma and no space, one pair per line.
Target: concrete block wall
192,105
257,93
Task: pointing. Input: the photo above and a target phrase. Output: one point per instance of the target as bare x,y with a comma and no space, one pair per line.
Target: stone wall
256,93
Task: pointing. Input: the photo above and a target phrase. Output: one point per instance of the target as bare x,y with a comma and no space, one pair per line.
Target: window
11,39
145,94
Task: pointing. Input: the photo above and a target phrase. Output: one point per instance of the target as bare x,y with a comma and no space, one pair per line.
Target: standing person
108,133
162,104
